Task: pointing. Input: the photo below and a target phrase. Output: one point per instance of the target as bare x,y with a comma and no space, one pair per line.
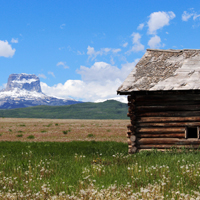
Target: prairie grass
54,133
95,170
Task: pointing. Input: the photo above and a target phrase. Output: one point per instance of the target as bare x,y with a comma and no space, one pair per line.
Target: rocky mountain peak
24,90
29,82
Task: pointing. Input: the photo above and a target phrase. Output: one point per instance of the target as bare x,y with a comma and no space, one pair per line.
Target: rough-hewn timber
160,120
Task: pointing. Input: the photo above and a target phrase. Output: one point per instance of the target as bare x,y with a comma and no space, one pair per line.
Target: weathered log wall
160,120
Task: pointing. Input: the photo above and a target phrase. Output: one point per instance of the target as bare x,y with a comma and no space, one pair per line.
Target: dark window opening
192,132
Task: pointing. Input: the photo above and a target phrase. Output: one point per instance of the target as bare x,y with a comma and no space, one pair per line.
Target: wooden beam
161,130
156,146
168,119
168,103
163,135
172,141
167,108
169,124
171,97
169,114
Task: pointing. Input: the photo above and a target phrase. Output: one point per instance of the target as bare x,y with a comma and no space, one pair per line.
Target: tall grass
96,170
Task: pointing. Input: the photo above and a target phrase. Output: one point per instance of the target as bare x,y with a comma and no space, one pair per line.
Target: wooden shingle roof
164,70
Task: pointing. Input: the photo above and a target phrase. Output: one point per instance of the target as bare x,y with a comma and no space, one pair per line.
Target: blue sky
85,49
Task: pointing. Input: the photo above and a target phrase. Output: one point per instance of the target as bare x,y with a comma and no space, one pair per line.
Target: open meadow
85,165
62,130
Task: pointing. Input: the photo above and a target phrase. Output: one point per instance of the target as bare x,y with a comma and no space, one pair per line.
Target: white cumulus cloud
137,46
52,74
103,51
154,42
6,49
14,40
42,76
99,82
140,27
187,15
62,64
62,26
159,19
125,44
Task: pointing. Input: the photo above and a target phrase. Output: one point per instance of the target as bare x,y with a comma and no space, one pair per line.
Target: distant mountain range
24,90
110,109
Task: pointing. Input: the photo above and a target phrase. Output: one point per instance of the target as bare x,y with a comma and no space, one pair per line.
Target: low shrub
20,135
31,137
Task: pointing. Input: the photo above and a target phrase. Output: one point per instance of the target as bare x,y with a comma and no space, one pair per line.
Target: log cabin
164,100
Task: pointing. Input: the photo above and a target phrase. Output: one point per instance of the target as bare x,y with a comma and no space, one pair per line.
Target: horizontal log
168,119
169,124
169,114
167,103
171,97
155,146
167,108
151,149
161,130
163,135
171,141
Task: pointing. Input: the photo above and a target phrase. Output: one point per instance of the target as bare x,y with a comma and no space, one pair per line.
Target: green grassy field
107,110
95,170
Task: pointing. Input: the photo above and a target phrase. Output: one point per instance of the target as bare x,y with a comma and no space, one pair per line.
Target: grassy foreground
95,170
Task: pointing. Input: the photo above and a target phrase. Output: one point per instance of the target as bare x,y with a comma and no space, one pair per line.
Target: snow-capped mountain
24,90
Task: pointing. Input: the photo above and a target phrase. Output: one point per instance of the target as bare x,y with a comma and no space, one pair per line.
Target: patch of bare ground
62,130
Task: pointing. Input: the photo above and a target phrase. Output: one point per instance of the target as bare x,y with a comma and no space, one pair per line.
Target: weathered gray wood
132,150
133,138
129,142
